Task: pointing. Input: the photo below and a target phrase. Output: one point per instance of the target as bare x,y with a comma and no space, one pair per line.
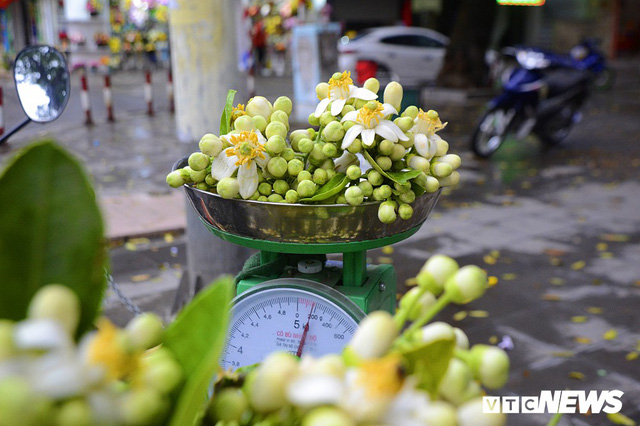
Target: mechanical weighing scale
292,299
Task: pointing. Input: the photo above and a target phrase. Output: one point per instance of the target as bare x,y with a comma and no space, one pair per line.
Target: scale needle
304,332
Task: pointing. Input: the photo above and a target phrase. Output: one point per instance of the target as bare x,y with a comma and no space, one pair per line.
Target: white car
411,56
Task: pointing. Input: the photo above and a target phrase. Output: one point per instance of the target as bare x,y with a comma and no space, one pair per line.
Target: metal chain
131,306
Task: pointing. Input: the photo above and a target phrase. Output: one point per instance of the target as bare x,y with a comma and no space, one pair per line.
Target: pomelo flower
370,120
426,124
341,89
246,150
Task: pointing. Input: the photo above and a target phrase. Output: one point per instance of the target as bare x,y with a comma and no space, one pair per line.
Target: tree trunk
464,64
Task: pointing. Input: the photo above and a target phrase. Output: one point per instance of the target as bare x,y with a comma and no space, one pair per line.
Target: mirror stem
15,129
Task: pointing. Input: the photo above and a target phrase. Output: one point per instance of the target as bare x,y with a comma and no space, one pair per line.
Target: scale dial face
293,315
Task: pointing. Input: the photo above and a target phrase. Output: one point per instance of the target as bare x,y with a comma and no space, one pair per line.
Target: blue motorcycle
587,56
543,95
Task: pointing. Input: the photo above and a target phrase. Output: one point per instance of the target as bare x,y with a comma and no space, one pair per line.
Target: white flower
370,121
426,124
412,407
247,149
340,91
312,390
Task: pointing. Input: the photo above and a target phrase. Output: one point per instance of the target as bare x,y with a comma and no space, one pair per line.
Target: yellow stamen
108,349
381,377
246,147
240,107
342,83
433,124
366,115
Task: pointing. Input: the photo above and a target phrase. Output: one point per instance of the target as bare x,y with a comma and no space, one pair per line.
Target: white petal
421,143
384,130
262,162
322,106
313,390
368,135
388,109
361,93
248,179
337,105
433,145
58,376
344,161
261,138
223,166
350,116
351,134
40,334
396,130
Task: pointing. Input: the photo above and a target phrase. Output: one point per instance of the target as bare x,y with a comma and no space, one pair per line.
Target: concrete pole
204,58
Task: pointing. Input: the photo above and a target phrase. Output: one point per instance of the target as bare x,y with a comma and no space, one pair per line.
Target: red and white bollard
148,94
172,107
84,99
108,101
1,112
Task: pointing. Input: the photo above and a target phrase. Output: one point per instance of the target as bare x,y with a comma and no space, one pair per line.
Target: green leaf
429,362
336,184
51,231
197,338
225,120
398,177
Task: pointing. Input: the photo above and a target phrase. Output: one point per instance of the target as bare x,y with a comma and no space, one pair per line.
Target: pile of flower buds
398,369
353,153
111,377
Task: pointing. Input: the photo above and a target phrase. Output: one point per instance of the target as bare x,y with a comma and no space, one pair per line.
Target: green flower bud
275,198
355,147
198,161
280,116
359,103
397,153
347,109
471,414
280,187
354,172
74,412
375,177
288,154
467,284
306,188
276,128
411,111
327,416
209,180
142,407
405,211
354,196
330,173
347,125
259,105
313,120
162,373
435,272
372,84
57,302
244,123
385,147
305,145
296,135
320,176
322,90
267,388
386,213
327,118
384,162
197,175
409,142
20,405
228,188
7,346
317,153
255,196
416,302
417,162
442,146
210,145
440,413
277,166
393,95
462,341
456,381
441,170
385,191
202,186
374,335
490,365
452,159
402,187
292,196
341,199
432,184
275,144
174,179
333,132
265,188
283,103
366,188
294,167
330,150
405,123
437,331
229,405
145,331
260,123
304,175
407,197
262,198
451,180
185,174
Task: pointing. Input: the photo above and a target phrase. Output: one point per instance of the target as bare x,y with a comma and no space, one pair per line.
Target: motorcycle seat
561,79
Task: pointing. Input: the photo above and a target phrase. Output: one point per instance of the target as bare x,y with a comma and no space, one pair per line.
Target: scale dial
293,315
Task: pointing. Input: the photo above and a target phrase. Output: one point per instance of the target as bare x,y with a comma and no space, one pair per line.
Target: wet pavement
559,229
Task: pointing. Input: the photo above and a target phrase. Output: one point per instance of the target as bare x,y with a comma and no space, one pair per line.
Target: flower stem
555,419
440,304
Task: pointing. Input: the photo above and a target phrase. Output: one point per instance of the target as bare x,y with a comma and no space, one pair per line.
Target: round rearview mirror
42,82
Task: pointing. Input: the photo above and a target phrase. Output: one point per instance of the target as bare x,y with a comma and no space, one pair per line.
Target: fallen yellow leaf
478,314
387,250
594,310
460,315
578,265
579,319
582,340
385,259
610,334
620,419
492,280
562,354
632,356
140,277
618,238
411,282
509,276
577,375
551,297
489,260
557,281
